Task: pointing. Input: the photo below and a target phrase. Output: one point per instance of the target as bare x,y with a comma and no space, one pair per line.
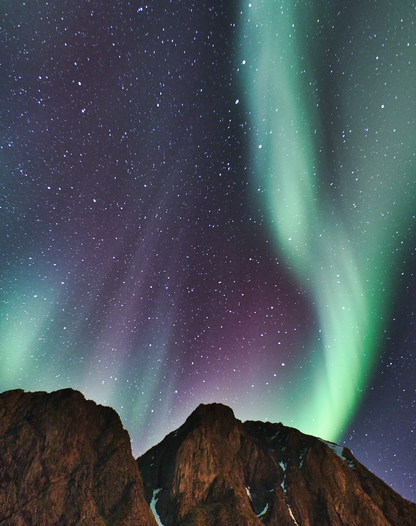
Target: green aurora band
340,215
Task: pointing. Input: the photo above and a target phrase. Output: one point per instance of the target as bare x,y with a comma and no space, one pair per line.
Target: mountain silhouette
65,460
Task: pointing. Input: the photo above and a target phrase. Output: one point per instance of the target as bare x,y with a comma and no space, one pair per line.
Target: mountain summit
67,461
217,470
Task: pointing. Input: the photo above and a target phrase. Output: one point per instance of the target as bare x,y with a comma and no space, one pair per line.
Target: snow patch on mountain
153,506
335,447
291,514
339,450
264,511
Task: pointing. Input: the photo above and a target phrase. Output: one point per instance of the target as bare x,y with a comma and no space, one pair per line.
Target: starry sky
214,201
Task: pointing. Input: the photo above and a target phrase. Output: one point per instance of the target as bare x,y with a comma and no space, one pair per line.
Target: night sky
215,202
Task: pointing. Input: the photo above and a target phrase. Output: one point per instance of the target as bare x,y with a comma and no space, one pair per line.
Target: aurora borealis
203,202
333,241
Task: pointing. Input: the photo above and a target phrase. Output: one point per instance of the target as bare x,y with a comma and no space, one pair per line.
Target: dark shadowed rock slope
215,470
66,461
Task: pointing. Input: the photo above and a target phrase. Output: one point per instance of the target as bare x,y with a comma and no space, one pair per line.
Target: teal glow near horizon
340,214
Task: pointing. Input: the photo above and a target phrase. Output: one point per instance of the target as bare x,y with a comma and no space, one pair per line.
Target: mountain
66,461
216,470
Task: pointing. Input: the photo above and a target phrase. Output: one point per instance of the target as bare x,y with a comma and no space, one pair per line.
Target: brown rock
66,461
215,470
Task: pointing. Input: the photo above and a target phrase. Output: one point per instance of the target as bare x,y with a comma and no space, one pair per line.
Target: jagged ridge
67,461
217,470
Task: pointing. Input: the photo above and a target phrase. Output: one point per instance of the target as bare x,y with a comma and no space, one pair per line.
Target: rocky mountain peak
215,418
66,460
217,470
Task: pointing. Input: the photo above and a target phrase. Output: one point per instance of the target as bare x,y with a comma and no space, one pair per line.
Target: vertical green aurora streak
339,215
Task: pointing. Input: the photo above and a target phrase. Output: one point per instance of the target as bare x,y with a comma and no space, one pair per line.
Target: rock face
215,470
66,461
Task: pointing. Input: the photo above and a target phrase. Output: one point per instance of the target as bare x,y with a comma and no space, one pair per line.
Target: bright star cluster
205,202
